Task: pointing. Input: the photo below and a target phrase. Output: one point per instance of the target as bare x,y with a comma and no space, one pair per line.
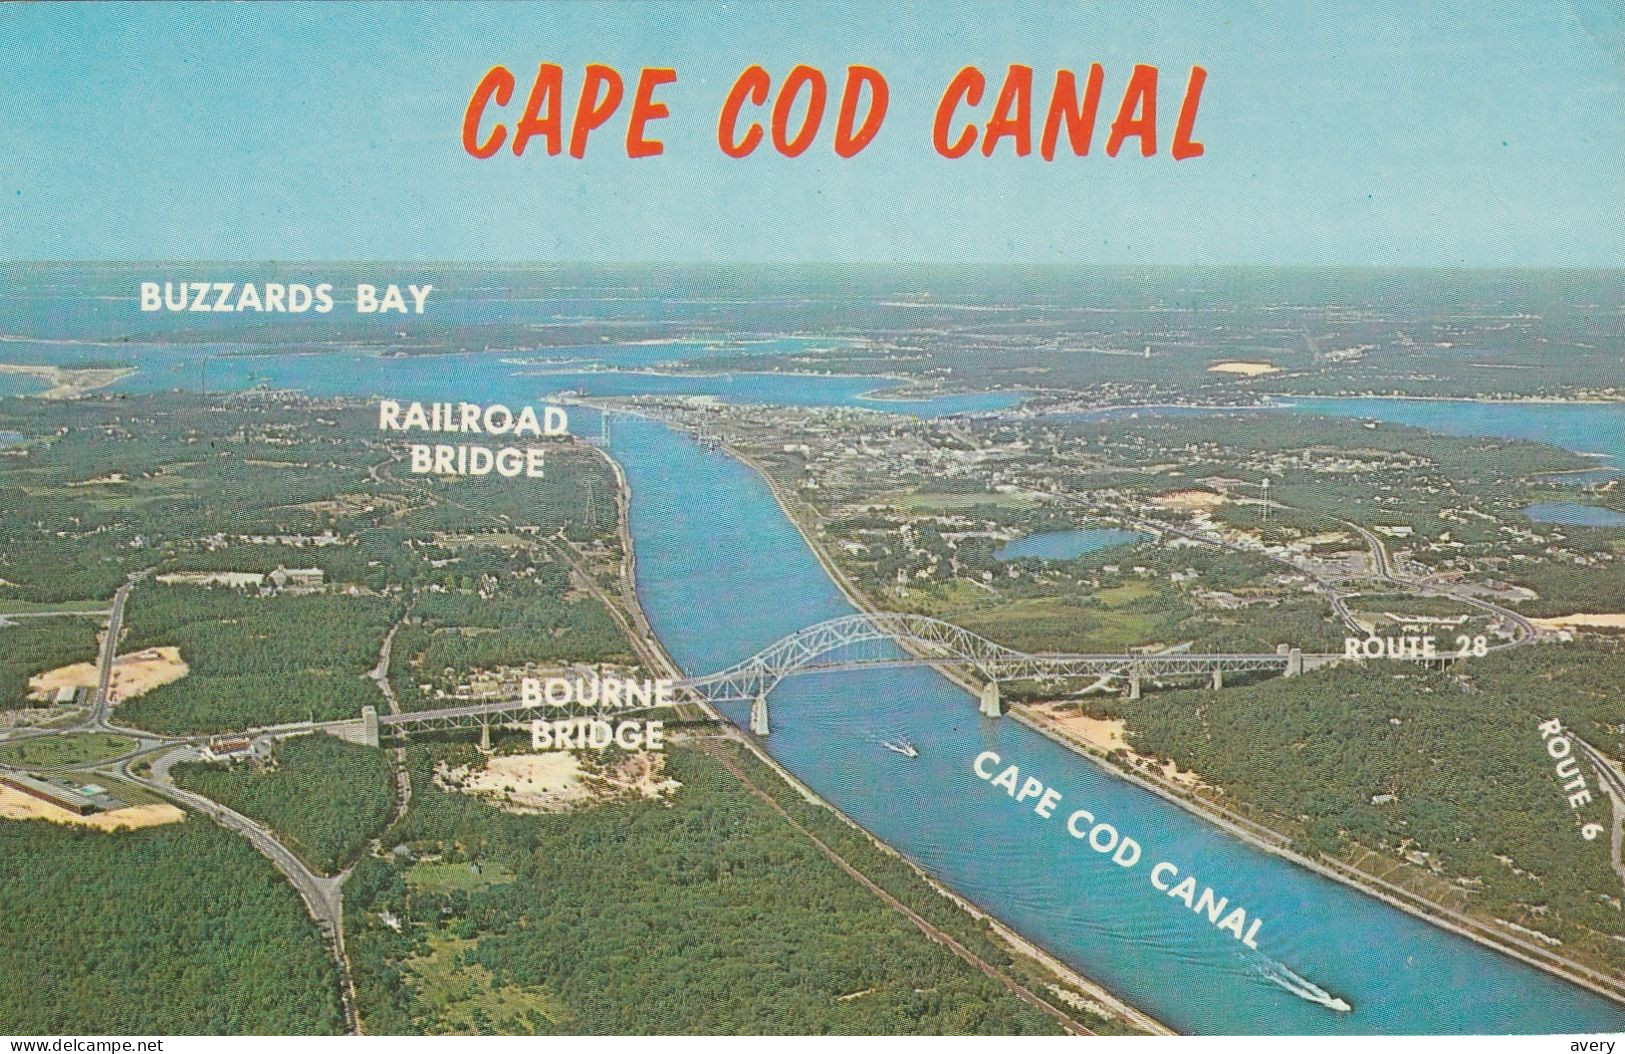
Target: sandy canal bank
1480,931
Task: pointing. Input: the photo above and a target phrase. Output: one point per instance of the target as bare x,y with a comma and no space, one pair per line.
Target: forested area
707,914
255,660
324,797
1474,788
31,646
112,486
176,483
491,608
182,929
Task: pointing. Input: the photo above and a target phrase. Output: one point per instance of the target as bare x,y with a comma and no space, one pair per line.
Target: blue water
1594,429
631,356
11,438
1131,413
1065,545
486,376
722,573
1573,514
20,383
778,389
1587,428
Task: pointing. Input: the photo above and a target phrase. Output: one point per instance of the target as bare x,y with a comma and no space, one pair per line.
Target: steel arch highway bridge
875,640
880,639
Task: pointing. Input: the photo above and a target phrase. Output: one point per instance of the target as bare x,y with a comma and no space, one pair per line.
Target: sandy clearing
1581,620
642,774
1109,734
556,781
231,579
1173,772
1190,499
133,675
1244,369
70,383
549,782
1100,732
15,805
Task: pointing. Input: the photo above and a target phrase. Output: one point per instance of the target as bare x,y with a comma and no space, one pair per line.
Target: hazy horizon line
872,265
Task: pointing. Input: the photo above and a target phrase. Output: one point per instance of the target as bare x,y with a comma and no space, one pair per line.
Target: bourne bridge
875,640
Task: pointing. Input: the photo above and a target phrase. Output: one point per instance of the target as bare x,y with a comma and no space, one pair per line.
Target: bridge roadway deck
878,640
725,687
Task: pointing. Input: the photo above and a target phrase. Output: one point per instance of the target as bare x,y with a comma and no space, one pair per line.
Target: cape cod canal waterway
722,572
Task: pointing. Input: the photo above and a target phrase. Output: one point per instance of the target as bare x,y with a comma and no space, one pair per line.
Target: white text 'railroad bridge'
875,640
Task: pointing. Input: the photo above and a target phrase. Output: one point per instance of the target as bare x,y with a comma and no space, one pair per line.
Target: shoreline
1515,400
1253,833
67,382
1278,844
913,389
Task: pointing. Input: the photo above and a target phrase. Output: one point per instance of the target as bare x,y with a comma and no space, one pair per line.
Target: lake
1065,545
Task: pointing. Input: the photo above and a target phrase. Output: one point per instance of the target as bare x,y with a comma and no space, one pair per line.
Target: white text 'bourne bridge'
876,640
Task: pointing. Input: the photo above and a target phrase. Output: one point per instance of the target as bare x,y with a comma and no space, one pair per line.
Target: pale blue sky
1426,133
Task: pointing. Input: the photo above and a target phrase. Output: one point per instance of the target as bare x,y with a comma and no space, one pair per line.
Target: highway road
323,896
101,704
104,679
1328,589
1383,567
1614,784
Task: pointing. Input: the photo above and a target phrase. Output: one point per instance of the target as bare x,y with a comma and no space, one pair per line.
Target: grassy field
25,607
438,876
46,752
461,997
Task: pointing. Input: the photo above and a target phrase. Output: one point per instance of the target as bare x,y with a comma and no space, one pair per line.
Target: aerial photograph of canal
888,587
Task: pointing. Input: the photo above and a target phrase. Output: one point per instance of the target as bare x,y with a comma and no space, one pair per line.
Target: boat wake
897,746
1302,987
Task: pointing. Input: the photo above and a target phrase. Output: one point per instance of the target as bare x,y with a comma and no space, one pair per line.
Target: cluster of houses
232,749
297,541
282,580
